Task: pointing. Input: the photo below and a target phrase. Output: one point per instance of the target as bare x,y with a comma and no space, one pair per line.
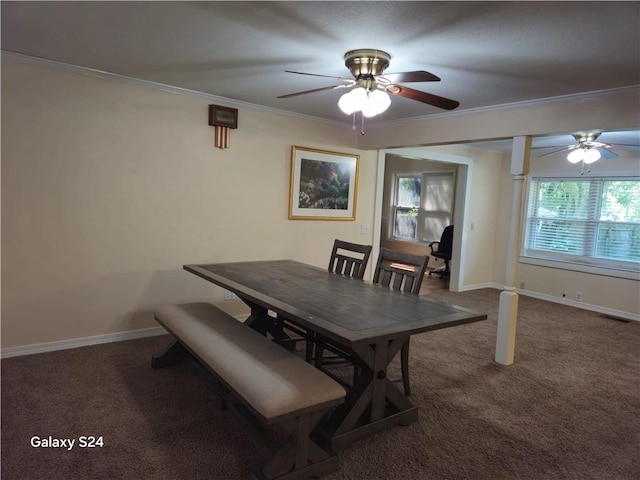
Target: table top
345,309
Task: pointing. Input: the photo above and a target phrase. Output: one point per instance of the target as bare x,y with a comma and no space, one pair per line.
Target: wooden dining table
367,322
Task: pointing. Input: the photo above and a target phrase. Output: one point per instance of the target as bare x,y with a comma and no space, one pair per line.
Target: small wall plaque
223,116
223,119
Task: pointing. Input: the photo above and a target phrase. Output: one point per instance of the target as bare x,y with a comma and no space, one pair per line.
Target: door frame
463,185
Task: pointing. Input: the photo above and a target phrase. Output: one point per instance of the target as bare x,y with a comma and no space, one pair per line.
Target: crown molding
160,86
574,97
570,98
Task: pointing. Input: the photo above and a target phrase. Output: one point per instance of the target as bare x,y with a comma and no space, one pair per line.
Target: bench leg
301,457
172,355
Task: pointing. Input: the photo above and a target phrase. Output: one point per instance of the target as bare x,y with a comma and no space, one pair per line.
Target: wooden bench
255,376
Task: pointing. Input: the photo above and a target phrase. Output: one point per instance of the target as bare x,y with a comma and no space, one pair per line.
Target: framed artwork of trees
324,185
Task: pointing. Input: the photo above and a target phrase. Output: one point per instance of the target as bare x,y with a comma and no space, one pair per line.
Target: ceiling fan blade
408,77
321,89
625,146
552,146
606,153
423,97
571,147
318,75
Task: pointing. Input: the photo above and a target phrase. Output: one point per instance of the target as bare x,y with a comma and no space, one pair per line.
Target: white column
508,307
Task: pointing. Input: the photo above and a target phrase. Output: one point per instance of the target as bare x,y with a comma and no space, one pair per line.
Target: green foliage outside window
591,220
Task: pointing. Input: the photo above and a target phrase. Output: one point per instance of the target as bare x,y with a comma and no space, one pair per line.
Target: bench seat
273,382
270,378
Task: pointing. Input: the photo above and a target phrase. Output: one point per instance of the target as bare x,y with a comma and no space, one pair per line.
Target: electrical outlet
364,229
579,296
521,285
229,295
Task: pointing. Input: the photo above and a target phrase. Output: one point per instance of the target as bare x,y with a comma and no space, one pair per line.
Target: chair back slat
408,284
400,271
349,259
397,281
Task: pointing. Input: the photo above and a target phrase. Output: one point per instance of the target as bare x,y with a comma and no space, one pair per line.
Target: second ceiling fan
370,85
587,149
586,143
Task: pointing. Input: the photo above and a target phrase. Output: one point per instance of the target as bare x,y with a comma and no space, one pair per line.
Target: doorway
436,161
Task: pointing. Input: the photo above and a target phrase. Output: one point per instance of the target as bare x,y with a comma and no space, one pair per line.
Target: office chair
443,249
403,272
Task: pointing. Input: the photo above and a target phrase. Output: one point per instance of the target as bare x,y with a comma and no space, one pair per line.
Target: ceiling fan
588,150
370,87
587,142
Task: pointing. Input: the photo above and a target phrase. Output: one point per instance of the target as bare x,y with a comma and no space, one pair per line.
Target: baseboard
155,331
585,306
610,312
87,341
478,286
81,342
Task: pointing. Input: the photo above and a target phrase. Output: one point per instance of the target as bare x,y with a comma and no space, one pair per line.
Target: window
423,205
592,222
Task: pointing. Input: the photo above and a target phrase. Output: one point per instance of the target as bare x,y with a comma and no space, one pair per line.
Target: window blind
588,221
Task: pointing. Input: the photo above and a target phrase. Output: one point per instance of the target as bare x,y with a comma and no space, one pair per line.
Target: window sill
406,240
576,267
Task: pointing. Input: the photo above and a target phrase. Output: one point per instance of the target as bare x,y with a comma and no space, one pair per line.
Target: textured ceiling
486,53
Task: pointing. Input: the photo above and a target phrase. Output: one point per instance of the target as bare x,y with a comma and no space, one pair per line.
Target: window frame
581,263
395,208
422,213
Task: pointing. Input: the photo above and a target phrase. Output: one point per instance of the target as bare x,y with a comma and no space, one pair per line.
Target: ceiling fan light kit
367,97
586,154
370,103
587,148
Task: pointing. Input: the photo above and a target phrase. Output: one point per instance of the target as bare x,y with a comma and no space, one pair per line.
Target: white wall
108,188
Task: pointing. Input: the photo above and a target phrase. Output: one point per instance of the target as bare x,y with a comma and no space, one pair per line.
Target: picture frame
223,116
324,184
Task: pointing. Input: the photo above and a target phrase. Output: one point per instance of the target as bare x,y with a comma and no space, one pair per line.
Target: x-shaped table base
373,403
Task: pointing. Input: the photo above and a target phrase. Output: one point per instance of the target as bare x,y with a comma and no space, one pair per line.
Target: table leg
379,380
374,403
261,321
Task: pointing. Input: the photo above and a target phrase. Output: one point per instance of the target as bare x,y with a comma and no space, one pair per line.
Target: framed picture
324,185
223,116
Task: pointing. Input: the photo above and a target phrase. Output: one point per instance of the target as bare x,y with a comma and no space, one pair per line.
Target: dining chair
403,272
348,259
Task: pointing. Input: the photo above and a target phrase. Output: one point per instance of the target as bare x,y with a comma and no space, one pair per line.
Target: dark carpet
568,408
